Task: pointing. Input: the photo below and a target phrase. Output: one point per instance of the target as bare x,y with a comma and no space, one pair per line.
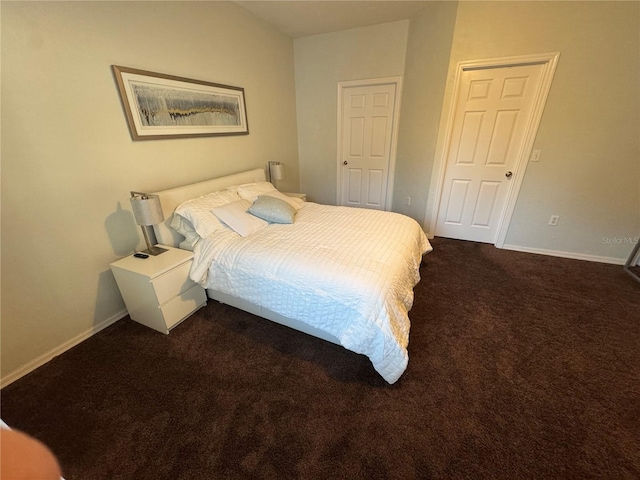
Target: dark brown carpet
521,366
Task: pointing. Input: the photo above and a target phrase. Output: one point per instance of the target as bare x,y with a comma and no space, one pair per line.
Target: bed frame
165,235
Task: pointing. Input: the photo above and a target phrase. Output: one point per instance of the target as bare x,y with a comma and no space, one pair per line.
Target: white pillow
236,217
198,211
250,191
184,228
296,203
272,209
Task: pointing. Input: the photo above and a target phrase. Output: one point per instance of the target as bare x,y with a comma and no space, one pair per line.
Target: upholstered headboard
171,198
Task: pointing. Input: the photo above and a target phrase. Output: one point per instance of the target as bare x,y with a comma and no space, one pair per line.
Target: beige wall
321,61
589,132
427,61
68,162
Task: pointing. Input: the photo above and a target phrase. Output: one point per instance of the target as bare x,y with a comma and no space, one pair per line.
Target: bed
341,274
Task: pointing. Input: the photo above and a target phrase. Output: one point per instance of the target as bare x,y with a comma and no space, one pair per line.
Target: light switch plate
535,155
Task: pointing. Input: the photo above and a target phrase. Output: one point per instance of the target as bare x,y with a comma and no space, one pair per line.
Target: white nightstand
157,290
301,196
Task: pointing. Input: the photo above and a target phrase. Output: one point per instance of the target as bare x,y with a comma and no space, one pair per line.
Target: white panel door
493,109
367,124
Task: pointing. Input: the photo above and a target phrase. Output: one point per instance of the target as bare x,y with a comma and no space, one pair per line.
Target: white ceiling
311,17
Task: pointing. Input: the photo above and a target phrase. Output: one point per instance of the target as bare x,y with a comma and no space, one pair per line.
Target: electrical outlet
408,201
535,155
553,221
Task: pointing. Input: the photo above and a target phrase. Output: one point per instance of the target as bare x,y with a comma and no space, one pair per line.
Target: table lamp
276,171
147,212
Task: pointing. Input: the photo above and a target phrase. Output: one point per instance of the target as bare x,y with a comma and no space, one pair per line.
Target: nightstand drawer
182,306
173,283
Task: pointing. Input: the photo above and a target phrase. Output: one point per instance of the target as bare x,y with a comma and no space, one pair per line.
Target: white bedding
349,272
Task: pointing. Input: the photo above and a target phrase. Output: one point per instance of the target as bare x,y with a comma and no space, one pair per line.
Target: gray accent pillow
272,209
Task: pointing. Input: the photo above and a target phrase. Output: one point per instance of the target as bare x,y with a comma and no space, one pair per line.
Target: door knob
508,174
345,163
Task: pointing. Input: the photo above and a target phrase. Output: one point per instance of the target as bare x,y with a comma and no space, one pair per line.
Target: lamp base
154,251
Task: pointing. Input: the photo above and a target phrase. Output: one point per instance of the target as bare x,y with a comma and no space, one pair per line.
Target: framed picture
164,106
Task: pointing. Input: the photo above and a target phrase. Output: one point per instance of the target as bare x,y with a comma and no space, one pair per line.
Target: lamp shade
147,209
276,169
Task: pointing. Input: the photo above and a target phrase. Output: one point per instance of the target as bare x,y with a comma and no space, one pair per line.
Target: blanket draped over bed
347,271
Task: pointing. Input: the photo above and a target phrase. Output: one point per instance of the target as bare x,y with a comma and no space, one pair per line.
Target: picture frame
160,106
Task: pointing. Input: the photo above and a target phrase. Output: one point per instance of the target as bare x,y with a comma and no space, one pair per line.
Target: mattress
346,271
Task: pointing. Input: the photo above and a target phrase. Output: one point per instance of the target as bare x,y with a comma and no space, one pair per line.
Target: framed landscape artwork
166,106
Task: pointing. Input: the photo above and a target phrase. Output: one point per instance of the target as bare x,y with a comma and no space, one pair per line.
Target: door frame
397,81
549,61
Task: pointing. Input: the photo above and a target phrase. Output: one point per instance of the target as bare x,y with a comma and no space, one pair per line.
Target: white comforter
347,271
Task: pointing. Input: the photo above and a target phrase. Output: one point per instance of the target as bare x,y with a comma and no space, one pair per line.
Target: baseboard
572,255
45,357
